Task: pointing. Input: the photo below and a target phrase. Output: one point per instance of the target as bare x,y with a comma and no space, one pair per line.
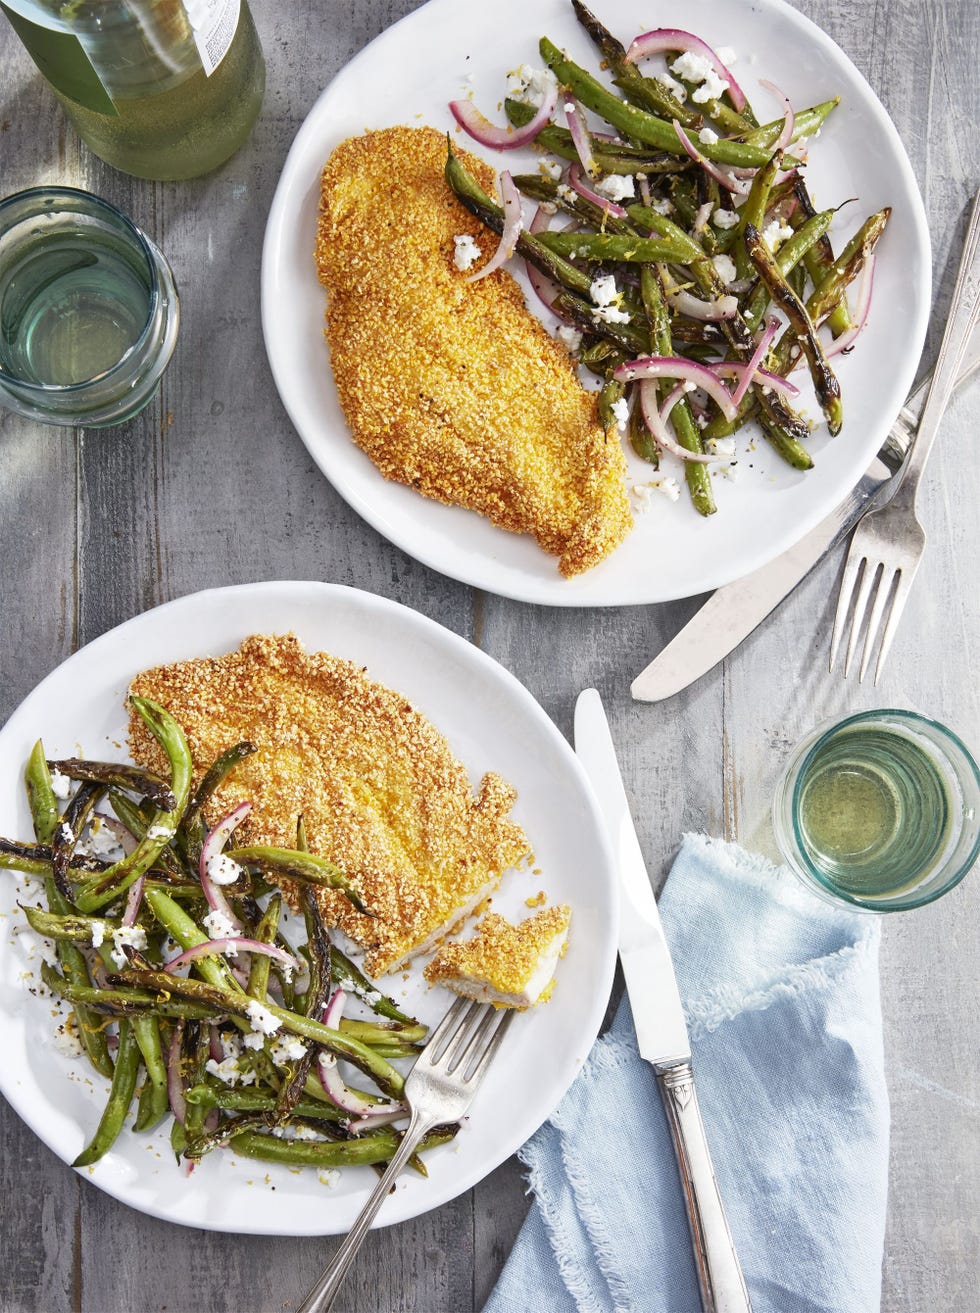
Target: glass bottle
161,89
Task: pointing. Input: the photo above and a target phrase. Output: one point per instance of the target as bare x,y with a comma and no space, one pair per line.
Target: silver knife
661,1031
730,614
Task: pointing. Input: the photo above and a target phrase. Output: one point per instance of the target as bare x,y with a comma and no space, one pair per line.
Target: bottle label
214,23
63,61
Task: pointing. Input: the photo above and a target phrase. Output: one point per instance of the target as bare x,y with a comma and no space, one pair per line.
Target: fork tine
497,1039
898,606
450,1056
883,593
446,1025
851,569
860,607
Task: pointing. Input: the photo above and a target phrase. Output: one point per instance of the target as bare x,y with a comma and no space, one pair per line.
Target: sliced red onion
486,133
672,38
862,306
546,289
370,1121
756,359
738,369
580,135
677,367
610,207
513,225
126,838
789,122
175,1086
645,196
656,421
213,845
334,1087
234,944
214,1044
133,900
724,307
726,177
703,215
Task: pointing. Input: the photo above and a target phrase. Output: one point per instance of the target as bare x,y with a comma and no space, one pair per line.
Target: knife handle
719,1275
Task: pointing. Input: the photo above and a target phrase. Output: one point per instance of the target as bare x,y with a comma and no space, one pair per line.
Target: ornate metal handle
719,1275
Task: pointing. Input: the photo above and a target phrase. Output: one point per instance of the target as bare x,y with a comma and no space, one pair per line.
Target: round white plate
492,723
448,49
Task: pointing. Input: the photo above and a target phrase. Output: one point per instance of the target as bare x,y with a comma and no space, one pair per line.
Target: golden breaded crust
453,387
500,955
377,785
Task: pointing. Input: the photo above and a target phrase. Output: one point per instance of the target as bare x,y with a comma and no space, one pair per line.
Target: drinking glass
88,309
881,810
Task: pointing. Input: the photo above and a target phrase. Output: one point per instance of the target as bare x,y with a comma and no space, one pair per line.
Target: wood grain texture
212,486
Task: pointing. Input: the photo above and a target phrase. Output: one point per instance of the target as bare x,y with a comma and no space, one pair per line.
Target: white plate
407,76
492,723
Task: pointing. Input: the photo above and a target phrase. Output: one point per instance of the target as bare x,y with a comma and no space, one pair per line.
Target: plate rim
31,1111
558,592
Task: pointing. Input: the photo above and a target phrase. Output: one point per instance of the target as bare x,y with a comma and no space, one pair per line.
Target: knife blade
658,1016
732,612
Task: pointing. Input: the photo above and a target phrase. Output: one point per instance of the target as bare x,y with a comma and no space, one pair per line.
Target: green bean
45,812
189,830
637,123
299,866
121,1002
265,933
69,925
808,121
120,1097
182,928
68,831
347,974
824,380
610,394
117,879
252,1100
819,260
610,247
377,1147
318,954
154,1102
121,776
547,191
628,337
787,258
610,157
753,211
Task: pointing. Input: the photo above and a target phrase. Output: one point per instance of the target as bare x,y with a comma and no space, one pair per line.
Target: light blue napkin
781,995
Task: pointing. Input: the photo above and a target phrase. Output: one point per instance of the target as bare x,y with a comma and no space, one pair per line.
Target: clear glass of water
881,810
88,309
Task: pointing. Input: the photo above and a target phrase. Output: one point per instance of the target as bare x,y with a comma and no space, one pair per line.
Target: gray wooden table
212,486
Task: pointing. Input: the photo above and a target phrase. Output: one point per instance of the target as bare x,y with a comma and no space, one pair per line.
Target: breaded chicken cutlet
450,386
379,790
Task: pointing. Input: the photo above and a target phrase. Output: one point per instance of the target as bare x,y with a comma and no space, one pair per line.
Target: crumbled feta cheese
287,1049
670,488
66,832
617,186
219,925
160,832
530,85
565,192
223,869
231,1044
30,944
621,410
569,337
98,934
676,89
729,471
305,1133
663,207
708,136
552,168
67,1043
726,268
610,314
130,935
253,1040
230,1072
721,446
695,68
724,218
775,233
604,290
466,254
329,1177
60,784
262,1019
100,841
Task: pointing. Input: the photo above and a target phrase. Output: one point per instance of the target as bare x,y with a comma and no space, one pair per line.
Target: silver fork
440,1088
888,544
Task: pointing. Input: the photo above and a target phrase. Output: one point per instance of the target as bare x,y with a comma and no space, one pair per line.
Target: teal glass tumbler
89,310
880,811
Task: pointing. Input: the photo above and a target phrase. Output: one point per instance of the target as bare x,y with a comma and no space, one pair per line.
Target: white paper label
214,23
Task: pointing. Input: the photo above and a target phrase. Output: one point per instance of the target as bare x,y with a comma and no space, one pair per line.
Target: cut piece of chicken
511,966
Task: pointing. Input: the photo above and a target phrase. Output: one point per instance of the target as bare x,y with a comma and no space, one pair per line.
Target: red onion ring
580,135
678,367
212,847
685,303
862,306
175,1086
756,359
789,122
133,900
610,207
656,422
235,943
486,133
334,1087
513,225
672,38
370,1120
725,177
645,196
545,288
738,368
